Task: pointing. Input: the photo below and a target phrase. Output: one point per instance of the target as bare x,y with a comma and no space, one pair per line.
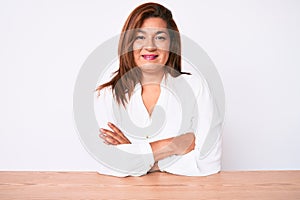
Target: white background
255,46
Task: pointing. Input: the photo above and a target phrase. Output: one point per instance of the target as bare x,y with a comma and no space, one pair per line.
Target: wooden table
90,185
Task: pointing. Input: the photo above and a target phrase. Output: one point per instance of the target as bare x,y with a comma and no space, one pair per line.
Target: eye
140,37
160,38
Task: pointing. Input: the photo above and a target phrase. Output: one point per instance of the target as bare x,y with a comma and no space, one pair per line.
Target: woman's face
151,45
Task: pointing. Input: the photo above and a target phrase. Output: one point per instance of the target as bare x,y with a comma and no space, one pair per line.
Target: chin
152,67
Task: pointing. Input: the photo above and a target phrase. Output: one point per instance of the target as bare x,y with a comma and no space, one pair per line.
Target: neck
153,78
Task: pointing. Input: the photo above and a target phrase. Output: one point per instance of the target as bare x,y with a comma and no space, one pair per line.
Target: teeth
149,57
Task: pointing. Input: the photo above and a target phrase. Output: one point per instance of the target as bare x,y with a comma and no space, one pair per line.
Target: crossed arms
161,149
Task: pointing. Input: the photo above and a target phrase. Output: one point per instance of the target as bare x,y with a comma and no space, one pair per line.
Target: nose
150,45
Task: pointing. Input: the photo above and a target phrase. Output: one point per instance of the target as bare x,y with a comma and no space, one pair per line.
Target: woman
149,70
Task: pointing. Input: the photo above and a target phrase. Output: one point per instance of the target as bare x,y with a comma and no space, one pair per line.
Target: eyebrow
144,32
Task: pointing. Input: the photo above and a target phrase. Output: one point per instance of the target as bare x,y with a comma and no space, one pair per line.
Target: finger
115,128
108,140
113,135
118,131
122,138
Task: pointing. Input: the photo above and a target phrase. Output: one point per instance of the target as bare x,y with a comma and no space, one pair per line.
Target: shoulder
194,82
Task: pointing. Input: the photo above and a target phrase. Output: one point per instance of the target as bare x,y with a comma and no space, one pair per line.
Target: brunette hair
125,77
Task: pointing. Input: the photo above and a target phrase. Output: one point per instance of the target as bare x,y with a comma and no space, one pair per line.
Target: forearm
163,148
173,146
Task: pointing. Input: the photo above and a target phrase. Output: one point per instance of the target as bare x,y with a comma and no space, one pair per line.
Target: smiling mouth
150,57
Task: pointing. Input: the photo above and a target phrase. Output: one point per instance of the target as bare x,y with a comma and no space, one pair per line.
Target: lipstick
150,56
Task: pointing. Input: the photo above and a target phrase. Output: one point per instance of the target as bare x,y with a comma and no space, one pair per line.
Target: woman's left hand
113,137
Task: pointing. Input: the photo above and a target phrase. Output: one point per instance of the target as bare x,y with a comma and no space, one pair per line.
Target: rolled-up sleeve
142,157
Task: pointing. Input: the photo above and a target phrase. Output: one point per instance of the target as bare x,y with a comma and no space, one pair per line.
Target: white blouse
168,119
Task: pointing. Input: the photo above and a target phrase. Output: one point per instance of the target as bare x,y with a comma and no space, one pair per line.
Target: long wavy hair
128,75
